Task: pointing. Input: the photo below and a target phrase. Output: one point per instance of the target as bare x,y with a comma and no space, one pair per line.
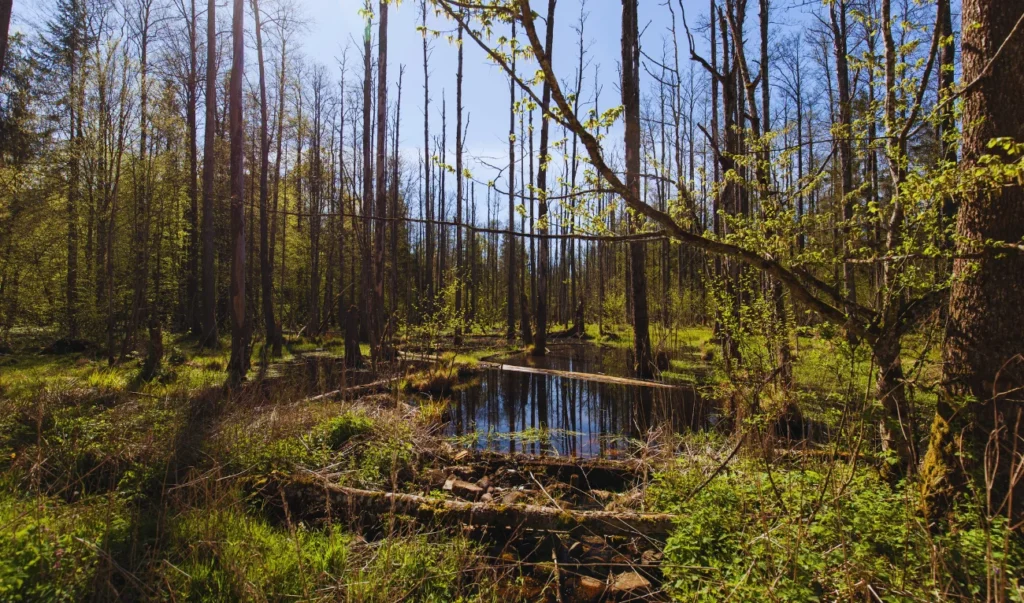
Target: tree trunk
837,13
947,130
277,341
192,313
378,329
644,367
975,432
323,500
5,24
238,365
897,424
543,261
266,264
71,284
367,209
209,338
458,195
428,268
395,164
510,239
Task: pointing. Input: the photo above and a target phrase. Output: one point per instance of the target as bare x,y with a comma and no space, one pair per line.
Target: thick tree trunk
976,431
643,362
238,365
209,306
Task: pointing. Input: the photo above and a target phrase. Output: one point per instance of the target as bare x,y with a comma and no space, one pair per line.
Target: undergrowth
116,488
806,532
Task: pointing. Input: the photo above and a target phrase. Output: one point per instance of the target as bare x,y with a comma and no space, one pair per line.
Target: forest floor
320,483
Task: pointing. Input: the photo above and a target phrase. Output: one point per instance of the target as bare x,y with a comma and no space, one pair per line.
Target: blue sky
336,23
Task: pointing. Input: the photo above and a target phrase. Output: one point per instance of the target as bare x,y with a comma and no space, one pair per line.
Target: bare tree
379,331
266,263
642,359
543,261
459,201
209,306
238,365
510,239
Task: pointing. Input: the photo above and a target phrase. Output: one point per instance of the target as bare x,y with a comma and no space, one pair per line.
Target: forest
693,300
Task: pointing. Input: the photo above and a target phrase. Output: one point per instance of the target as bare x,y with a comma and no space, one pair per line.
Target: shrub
341,429
805,534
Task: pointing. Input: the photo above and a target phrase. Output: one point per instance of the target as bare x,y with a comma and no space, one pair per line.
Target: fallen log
590,474
356,390
317,500
515,368
597,377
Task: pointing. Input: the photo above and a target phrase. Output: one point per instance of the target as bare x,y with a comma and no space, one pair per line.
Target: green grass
111,484
805,533
54,551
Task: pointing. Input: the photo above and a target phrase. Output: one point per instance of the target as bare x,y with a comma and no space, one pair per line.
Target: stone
464,489
651,556
629,583
512,497
589,589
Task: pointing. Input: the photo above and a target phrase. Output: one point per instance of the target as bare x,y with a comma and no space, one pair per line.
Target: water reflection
581,358
531,413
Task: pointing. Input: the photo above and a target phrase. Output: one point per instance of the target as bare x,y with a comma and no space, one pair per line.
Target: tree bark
974,435
238,365
459,186
266,264
192,313
837,14
643,362
324,500
428,268
510,239
6,7
277,341
543,260
209,337
378,328
367,209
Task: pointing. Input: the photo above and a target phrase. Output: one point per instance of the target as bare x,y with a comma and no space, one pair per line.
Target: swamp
688,300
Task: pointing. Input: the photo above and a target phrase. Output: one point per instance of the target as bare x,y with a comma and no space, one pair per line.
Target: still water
535,413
